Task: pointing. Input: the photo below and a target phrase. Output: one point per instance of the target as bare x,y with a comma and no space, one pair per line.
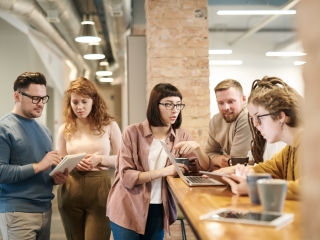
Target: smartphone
217,176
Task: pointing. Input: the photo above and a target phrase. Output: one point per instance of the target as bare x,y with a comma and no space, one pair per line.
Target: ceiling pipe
30,11
263,23
69,27
69,20
118,18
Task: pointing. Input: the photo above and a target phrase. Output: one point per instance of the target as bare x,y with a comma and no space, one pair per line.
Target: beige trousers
26,226
82,204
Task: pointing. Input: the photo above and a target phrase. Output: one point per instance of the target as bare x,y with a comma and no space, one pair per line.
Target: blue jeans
154,228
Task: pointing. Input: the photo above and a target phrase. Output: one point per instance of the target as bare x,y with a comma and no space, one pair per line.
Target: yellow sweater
286,165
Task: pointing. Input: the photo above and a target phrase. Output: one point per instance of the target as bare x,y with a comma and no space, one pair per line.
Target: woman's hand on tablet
240,188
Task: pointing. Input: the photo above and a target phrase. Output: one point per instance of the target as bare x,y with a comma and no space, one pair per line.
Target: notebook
190,180
69,161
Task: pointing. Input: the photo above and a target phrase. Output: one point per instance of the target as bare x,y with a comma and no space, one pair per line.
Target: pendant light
106,79
88,32
103,69
94,52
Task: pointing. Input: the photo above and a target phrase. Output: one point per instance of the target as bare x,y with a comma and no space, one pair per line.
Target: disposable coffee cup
252,185
235,160
272,193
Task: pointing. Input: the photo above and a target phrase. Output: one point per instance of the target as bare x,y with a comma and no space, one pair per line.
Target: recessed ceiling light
299,62
225,62
285,54
220,51
256,12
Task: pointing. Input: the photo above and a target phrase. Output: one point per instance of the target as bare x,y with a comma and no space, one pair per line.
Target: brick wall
177,53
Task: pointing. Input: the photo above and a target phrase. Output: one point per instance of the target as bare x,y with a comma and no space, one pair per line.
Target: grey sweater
22,143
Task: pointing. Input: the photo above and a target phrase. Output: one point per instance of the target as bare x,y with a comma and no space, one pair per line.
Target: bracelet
150,176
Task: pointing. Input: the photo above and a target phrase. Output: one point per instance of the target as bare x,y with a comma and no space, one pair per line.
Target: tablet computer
217,176
272,219
69,161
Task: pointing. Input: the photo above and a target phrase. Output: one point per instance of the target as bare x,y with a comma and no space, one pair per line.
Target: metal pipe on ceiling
263,23
118,18
30,11
69,27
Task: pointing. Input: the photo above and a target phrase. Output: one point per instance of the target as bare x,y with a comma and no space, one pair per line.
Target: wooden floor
176,232
57,231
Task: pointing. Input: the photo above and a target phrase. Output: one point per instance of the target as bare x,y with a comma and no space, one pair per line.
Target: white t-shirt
157,159
270,150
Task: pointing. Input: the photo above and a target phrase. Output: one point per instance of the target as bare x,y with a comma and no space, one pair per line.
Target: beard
29,113
230,118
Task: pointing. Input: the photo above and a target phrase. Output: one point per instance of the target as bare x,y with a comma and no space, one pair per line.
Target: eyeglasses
170,106
263,115
36,99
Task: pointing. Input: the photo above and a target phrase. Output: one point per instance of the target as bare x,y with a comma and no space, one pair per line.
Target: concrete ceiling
236,25
278,31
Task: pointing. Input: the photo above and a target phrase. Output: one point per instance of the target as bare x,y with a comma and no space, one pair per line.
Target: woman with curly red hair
88,128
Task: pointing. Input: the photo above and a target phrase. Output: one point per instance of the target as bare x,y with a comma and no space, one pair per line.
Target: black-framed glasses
36,99
263,115
170,106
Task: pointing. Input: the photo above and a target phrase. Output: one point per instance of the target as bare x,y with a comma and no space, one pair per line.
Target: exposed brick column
177,53
309,33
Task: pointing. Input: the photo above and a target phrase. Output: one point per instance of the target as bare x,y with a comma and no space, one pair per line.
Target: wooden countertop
195,201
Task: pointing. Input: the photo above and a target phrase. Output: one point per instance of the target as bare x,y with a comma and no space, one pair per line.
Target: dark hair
160,91
276,96
98,117
25,79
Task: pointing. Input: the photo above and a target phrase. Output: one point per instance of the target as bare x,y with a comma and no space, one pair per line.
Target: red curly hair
98,117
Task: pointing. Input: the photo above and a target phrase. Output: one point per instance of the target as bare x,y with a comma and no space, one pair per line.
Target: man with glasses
26,159
229,131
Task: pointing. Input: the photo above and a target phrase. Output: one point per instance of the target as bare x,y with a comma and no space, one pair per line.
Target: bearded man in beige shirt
229,131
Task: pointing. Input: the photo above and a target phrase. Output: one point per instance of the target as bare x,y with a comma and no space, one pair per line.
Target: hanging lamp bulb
106,79
94,52
88,32
103,69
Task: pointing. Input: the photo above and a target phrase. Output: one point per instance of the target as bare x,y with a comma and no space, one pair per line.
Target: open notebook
190,180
